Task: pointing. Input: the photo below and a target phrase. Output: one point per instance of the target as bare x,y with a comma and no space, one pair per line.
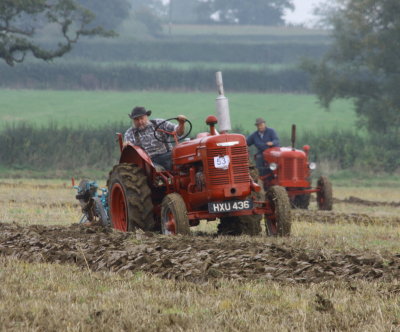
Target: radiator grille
239,150
238,170
294,167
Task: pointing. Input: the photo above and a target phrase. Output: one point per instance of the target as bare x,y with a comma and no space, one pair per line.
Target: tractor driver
142,134
264,138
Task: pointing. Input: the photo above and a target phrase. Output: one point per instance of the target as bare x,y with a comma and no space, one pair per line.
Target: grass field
179,65
226,33
240,30
77,108
37,296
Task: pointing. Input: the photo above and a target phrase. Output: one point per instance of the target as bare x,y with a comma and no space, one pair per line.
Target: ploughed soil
349,200
360,201
340,217
192,258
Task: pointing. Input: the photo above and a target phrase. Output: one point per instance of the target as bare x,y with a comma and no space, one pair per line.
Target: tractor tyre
279,222
324,194
129,199
174,218
301,201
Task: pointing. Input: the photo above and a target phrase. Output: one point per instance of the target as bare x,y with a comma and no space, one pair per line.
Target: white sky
301,14
303,11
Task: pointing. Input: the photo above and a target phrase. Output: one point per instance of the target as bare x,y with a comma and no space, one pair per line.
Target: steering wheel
172,136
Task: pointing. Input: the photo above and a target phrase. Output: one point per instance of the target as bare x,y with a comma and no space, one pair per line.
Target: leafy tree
254,12
363,63
20,21
156,7
150,13
152,22
109,14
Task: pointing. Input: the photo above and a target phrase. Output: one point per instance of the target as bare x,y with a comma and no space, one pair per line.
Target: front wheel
324,194
174,219
279,221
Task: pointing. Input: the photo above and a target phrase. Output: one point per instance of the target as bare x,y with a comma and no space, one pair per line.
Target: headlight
312,166
273,166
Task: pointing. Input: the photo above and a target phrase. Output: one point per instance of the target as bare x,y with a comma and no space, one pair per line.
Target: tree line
125,77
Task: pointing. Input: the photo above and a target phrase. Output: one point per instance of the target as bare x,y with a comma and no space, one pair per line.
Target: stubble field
338,271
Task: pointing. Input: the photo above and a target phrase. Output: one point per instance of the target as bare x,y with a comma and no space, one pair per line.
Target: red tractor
290,168
209,180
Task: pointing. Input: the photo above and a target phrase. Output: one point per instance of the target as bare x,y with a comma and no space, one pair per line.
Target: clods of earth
201,258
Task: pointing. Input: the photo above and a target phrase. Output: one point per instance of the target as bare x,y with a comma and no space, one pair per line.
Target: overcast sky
301,14
303,11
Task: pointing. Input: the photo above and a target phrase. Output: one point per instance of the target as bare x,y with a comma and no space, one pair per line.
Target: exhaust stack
293,138
223,115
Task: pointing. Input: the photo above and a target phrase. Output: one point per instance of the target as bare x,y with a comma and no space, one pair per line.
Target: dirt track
197,259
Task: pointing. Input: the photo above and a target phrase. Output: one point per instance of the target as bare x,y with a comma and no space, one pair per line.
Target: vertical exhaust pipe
293,138
222,104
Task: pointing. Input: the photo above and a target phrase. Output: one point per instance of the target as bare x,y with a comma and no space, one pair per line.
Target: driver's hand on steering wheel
181,119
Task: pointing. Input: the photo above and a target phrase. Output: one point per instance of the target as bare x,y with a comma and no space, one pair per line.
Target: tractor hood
284,152
191,151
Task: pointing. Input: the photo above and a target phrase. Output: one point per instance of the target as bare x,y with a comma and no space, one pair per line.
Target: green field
240,30
181,65
225,33
76,108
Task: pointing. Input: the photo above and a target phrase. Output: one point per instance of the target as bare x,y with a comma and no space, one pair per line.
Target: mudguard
133,154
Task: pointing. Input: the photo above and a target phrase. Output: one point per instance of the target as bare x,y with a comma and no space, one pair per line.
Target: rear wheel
174,219
129,199
279,222
324,194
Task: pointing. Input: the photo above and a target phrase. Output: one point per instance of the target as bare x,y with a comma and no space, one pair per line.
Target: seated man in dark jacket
263,138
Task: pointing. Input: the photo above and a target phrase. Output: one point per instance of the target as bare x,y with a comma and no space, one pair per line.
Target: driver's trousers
260,164
163,159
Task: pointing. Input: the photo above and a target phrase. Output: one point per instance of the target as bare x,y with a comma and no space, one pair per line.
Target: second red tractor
290,168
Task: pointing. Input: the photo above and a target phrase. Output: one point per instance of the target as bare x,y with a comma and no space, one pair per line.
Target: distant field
222,33
242,30
75,108
179,65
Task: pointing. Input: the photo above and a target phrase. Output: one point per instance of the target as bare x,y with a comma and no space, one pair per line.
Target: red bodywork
293,170
195,177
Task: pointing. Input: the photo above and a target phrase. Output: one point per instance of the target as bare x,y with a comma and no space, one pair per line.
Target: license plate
229,206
